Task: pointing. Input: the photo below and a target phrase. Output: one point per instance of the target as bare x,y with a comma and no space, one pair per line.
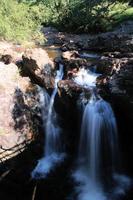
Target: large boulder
19,105
10,53
121,94
37,65
69,87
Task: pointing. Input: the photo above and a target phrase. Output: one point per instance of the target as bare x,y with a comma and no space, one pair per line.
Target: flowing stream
98,160
52,146
97,174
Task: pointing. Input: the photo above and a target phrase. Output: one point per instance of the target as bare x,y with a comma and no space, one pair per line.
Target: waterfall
98,134
98,157
52,145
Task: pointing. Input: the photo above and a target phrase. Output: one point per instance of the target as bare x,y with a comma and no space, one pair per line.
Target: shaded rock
122,83
36,64
7,59
10,52
111,41
125,27
71,88
107,65
58,60
121,95
64,48
19,116
69,46
118,54
120,39
102,80
76,64
36,59
52,35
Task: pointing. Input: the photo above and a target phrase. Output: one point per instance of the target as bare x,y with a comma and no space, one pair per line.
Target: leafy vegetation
17,21
20,20
87,15
84,15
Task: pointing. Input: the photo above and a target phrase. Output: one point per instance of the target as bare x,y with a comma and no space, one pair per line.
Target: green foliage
86,15
82,15
20,20
17,21
126,15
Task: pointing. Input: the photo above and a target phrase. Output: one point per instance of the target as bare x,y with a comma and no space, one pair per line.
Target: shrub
17,21
20,20
83,15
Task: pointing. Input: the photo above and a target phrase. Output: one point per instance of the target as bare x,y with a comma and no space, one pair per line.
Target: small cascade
98,158
86,78
98,136
52,146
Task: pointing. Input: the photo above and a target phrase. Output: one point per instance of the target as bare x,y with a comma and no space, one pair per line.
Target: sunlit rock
37,65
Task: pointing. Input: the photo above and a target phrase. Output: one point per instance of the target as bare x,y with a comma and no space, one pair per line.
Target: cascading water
98,158
52,146
98,130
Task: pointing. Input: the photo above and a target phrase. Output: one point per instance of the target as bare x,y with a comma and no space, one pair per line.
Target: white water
98,128
52,147
86,78
98,158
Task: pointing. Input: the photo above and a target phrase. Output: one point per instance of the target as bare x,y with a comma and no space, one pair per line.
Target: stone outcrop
120,39
20,116
10,53
111,41
120,94
18,105
36,65
69,87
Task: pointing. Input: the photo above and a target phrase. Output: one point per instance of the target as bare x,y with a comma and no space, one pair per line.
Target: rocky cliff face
20,116
121,94
19,105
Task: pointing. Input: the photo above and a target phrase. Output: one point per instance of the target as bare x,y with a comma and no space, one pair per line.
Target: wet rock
125,27
58,60
122,82
102,80
64,48
69,87
76,64
121,94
